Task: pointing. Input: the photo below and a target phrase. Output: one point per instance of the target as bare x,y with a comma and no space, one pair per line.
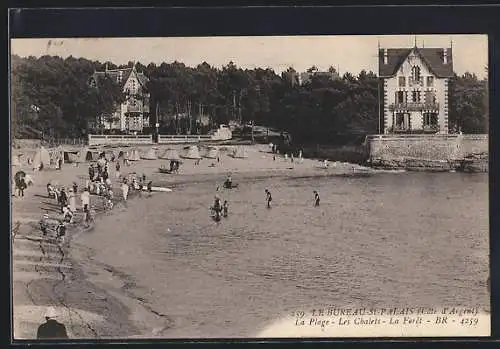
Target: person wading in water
269,198
316,198
217,208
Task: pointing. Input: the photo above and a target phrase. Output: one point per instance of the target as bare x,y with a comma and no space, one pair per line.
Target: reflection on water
416,239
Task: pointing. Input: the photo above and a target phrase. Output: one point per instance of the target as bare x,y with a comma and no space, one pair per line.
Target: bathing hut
212,153
109,154
240,152
170,154
42,158
192,153
92,155
71,157
150,155
15,160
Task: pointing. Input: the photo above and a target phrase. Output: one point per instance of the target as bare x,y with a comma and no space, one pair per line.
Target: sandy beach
91,297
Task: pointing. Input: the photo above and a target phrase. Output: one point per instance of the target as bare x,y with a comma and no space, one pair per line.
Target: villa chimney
445,56
386,58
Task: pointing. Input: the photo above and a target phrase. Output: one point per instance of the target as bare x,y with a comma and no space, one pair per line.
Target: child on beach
67,214
225,208
269,198
124,190
85,198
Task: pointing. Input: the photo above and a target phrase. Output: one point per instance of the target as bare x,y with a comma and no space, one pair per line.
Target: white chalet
133,114
415,89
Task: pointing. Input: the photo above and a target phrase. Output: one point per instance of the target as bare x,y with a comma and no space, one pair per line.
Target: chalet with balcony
133,114
415,89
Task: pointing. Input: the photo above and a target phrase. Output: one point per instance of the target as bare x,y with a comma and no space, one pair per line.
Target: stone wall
436,151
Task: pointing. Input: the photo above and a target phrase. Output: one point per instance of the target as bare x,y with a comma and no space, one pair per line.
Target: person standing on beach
75,188
91,172
85,198
316,198
63,199
117,168
124,190
269,198
21,186
225,208
72,200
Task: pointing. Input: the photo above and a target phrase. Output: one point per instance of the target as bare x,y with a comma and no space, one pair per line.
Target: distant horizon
351,54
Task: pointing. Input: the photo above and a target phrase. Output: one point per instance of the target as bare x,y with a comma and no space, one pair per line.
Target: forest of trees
51,94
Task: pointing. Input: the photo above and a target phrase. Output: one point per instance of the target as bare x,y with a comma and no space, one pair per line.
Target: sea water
411,239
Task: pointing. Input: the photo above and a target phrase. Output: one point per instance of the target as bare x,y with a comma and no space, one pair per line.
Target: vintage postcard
250,187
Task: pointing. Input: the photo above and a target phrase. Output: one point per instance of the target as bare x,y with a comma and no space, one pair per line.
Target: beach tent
42,157
212,153
108,154
170,154
134,155
192,153
240,152
58,153
71,157
15,160
150,155
92,155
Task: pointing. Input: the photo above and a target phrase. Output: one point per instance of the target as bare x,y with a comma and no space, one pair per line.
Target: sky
347,53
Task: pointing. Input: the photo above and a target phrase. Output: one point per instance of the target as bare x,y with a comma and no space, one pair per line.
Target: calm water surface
414,239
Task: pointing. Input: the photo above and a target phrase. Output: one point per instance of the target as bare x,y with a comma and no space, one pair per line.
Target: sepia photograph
249,187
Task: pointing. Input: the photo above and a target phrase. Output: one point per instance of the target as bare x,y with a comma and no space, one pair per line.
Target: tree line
51,95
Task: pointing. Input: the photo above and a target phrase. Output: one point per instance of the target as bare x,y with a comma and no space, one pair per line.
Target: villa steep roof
432,57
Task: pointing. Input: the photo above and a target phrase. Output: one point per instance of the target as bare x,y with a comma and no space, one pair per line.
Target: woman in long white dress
72,200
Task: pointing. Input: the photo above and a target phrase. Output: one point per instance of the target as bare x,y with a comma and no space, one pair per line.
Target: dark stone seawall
466,153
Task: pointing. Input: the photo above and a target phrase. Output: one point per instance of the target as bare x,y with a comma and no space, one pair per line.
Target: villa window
415,73
415,96
430,97
430,119
430,81
402,81
402,121
400,97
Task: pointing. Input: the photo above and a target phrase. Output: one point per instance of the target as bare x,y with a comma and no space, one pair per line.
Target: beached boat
157,189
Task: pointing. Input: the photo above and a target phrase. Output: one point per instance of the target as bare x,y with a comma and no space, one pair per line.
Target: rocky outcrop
475,163
471,163
410,164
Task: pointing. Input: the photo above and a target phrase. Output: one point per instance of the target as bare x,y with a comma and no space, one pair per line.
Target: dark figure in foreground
316,198
225,208
51,329
269,198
